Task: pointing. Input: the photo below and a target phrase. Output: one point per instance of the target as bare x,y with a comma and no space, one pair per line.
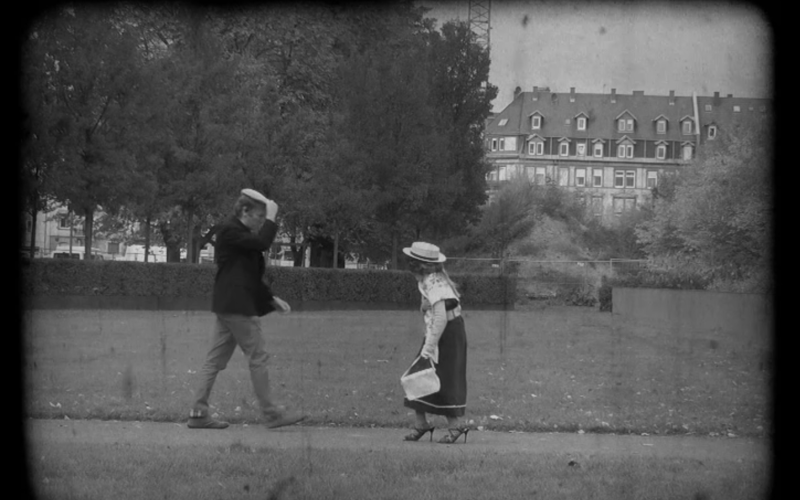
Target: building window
63,222
597,177
619,179
629,123
712,132
580,177
539,179
621,125
708,107
661,151
536,122
494,144
625,151
630,178
687,127
536,148
622,205
598,150
597,206
580,149
502,122
563,149
661,126
502,144
563,176
736,109
687,152
581,123
652,179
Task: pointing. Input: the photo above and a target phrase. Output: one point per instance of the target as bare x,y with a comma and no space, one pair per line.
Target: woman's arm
434,331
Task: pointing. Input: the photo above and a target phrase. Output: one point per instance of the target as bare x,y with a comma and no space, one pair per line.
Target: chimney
716,95
572,94
730,95
613,95
671,97
535,93
638,92
517,91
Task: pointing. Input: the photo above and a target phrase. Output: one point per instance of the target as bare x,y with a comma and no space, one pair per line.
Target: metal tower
479,21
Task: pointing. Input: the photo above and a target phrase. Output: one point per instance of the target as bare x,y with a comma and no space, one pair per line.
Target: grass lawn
559,368
100,471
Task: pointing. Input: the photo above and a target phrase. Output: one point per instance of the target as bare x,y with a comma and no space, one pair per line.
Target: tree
462,97
717,220
88,70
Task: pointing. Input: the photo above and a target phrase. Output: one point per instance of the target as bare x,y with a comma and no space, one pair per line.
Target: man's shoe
206,423
284,419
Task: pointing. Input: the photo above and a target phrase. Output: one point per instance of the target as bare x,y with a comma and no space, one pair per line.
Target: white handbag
420,379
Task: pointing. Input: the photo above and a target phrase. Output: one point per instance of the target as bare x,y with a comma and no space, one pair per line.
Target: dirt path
579,445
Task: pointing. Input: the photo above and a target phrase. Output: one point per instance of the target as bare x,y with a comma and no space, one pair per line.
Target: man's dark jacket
238,286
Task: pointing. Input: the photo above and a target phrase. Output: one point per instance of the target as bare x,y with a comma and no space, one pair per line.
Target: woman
445,343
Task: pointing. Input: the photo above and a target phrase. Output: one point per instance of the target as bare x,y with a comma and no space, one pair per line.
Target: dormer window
688,150
625,121
661,151
563,149
712,132
686,127
536,121
535,145
661,126
625,148
597,149
580,149
581,123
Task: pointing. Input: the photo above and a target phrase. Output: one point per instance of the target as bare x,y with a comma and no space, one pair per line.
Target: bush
110,278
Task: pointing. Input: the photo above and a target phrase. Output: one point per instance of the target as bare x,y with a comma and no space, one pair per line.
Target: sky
656,47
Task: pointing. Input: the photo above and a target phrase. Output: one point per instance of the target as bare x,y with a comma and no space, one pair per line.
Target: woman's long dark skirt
451,400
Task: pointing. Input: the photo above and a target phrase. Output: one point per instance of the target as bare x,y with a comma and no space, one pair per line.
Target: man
240,298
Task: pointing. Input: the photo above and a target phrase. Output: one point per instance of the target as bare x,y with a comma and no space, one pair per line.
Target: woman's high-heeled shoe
418,433
454,433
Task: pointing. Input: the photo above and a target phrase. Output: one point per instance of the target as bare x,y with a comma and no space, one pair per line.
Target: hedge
65,277
650,278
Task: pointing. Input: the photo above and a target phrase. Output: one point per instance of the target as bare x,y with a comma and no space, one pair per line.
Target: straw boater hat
252,193
424,252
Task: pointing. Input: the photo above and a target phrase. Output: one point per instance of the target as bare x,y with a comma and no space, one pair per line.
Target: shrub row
116,278
649,278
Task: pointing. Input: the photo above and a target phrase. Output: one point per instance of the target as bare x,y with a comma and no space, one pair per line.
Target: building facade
609,149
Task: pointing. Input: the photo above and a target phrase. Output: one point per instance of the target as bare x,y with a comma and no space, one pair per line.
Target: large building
610,149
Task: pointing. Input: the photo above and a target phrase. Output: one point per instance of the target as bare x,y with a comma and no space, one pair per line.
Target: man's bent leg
222,346
249,338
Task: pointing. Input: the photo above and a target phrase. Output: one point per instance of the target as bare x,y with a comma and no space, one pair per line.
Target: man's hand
272,210
282,305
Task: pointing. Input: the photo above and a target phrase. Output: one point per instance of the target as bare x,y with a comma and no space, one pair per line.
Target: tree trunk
87,230
336,251
190,236
147,237
394,248
33,231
